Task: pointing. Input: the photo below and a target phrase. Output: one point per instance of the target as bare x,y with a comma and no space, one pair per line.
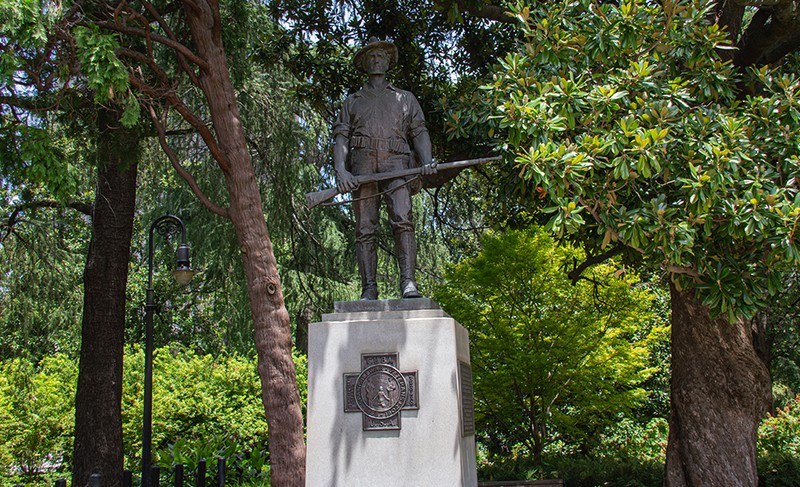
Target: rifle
314,198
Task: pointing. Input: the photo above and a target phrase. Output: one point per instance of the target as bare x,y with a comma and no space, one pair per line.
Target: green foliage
39,155
203,406
194,397
628,454
779,447
780,325
616,471
33,145
552,360
29,20
244,465
636,131
105,73
36,415
41,264
626,440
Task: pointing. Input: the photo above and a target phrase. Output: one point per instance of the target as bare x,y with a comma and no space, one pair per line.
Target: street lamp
166,226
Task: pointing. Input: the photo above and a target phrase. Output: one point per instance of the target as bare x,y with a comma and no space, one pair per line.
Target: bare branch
757,3
575,274
478,9
202,129
13,218
149,61
593,211
182,172
80,206
172,98
177,46
687,271
31,104
773,32
181,57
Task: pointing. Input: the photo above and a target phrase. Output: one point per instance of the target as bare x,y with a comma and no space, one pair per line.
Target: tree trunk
273,336
272,333
720,391
98,417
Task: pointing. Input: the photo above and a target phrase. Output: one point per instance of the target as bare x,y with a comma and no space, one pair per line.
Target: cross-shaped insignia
380,391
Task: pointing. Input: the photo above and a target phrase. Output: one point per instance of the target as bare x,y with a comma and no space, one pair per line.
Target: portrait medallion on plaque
380,391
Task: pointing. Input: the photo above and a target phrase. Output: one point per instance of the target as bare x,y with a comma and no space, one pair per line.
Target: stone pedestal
389,397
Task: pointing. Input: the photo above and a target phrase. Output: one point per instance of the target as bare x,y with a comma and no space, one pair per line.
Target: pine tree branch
21,208
162,76
182,62
173,100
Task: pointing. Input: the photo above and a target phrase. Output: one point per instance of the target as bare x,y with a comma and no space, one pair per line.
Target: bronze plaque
380,391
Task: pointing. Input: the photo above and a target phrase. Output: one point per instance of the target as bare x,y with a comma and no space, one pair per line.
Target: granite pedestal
389,397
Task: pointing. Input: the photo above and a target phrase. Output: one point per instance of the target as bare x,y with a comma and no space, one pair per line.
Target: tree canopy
552,360
640,135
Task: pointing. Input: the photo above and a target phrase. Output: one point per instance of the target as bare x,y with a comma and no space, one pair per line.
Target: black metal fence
178,477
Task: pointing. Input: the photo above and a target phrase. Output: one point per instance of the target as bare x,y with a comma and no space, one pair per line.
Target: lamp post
166,226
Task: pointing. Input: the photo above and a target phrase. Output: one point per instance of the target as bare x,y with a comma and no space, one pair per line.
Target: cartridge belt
395,146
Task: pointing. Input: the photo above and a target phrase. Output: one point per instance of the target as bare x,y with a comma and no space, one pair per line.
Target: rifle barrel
314,198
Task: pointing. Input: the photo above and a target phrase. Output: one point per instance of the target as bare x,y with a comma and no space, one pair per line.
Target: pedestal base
389,397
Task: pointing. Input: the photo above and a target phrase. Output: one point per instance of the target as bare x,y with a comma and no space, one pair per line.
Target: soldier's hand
345,181
428,169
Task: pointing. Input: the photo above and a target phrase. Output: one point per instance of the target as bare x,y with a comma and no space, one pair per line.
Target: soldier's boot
406,251
367,257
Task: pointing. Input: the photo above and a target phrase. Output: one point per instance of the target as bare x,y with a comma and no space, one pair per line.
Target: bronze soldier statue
380,129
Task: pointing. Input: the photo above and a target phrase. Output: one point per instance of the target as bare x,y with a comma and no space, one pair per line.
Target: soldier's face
376,61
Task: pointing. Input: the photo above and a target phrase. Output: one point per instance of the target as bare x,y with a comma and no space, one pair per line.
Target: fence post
96,480
220,472
155,476
127,478
201,473
179,475
61,483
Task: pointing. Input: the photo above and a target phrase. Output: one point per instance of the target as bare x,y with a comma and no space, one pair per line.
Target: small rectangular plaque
467,399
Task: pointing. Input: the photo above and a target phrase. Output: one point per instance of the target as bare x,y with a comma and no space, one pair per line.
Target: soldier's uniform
379,126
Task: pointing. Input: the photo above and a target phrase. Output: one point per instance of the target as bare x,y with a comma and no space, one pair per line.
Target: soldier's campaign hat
375,43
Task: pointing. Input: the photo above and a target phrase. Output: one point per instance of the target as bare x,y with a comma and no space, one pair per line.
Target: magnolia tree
643,136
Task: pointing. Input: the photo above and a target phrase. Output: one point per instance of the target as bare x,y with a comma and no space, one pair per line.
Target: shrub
779,447
203,406
36,415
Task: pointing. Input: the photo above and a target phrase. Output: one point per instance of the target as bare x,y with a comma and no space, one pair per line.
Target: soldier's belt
396,146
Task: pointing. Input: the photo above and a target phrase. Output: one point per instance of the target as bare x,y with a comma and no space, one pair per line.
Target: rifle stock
314,198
